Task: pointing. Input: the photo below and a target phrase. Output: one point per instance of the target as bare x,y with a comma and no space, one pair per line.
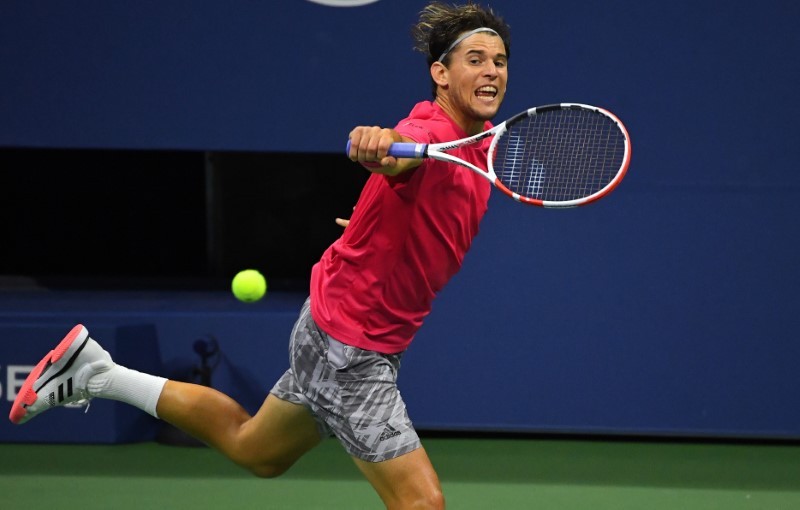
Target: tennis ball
249,285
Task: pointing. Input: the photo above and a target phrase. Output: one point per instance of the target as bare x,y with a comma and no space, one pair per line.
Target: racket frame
437,151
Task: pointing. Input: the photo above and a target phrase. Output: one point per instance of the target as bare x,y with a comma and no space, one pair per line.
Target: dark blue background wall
670,307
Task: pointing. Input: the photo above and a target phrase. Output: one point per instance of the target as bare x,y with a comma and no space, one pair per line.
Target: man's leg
267,444
355,392
405,482
79,369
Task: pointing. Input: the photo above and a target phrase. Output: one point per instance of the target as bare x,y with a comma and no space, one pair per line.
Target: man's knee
419,499
433,500
267,470
261,464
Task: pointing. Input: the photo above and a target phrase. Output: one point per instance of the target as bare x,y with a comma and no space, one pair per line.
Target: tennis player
370,292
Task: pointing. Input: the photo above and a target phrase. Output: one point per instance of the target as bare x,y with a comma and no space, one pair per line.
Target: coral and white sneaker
61,377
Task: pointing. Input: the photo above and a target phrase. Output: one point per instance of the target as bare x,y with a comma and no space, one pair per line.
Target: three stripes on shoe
51,399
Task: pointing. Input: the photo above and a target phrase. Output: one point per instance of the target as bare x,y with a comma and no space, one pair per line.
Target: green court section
475,474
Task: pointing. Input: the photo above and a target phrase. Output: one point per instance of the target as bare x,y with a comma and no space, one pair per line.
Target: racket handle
402,150
408,150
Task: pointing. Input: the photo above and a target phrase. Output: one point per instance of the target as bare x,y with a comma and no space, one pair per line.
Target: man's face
476,78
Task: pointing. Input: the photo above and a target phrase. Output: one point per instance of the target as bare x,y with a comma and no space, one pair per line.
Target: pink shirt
407,237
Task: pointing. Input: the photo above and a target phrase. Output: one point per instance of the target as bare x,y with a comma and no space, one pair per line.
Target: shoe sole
27,395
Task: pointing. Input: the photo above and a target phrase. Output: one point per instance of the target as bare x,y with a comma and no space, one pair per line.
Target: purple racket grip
408,150
402,150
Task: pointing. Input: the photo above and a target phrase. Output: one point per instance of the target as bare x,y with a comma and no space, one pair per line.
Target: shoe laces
82,403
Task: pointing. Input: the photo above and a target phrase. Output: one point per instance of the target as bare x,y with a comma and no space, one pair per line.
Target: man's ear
440,75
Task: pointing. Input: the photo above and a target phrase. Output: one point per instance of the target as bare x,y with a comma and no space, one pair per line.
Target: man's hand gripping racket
561,155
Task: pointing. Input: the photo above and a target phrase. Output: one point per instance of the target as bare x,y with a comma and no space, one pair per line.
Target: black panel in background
85,217
81,219
275,212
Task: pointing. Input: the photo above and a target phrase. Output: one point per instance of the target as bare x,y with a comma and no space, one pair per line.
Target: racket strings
560,155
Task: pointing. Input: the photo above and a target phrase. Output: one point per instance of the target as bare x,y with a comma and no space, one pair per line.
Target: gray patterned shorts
351,392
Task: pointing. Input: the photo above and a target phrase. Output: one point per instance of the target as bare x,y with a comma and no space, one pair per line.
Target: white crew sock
135,388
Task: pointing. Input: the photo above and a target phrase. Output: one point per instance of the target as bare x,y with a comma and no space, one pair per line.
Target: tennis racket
560,155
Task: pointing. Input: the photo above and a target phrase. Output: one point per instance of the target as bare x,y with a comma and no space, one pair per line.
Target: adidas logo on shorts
388,433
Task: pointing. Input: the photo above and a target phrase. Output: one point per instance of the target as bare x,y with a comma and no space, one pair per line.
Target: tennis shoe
61,377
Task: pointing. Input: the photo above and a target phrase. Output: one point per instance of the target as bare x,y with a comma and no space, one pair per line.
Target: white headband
472,32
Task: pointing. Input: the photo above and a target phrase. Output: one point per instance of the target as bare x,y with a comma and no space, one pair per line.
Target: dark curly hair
440,25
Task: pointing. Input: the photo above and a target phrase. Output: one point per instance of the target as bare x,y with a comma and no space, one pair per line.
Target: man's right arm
369,146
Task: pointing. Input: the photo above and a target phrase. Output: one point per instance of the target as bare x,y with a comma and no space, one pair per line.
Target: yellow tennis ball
249,285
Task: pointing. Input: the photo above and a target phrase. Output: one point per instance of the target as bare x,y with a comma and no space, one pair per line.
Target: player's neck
471,126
